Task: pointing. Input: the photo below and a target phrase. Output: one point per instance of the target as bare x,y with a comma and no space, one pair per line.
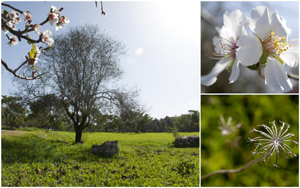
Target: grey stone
186,141
107,149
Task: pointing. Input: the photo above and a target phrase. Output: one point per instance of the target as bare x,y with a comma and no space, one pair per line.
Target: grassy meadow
35,158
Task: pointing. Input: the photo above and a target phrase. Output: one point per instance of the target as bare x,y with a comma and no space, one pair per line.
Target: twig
7,5
234,170
19,76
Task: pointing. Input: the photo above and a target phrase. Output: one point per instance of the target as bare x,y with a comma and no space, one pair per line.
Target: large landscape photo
100,94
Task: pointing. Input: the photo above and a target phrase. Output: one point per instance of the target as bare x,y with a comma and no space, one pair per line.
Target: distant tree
13,111
82,70
47,112
131,113
195,119
183,123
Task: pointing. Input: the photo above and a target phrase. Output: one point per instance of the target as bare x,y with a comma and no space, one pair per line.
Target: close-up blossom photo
247,141
249,47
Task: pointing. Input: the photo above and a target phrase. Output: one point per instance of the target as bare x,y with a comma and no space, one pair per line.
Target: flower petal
232,21
276,76
250,50
291,56
279,26
257,12
235,71
211,78
262,25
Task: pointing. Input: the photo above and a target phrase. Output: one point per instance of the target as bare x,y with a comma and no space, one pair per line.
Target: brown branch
7,5
19,34
19,76
234,170
102,12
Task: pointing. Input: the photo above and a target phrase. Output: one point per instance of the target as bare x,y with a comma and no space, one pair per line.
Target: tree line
48,113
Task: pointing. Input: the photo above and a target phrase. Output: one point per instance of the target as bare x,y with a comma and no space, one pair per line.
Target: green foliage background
233,151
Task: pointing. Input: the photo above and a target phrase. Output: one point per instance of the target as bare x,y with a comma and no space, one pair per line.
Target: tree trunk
78,134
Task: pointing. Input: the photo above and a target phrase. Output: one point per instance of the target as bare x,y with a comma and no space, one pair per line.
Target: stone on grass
107,149
186,141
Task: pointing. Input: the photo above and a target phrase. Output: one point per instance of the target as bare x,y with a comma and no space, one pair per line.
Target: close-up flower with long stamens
268,48
274,141
225,48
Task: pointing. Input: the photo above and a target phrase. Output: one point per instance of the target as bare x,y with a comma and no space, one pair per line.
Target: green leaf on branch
32,52
4,13
28,40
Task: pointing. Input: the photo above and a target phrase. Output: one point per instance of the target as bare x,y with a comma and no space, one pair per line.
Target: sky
162,41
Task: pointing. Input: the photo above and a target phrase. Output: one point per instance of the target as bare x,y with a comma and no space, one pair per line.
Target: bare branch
19,76
7,5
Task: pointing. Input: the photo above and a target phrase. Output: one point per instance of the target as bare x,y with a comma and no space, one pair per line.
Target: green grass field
35,158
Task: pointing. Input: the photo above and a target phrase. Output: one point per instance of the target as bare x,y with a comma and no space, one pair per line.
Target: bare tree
82,71
132,114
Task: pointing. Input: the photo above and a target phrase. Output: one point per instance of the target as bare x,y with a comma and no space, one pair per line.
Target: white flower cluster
12,18
260,42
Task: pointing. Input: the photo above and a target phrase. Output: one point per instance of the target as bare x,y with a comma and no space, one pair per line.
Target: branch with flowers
274,141
260,43
8,21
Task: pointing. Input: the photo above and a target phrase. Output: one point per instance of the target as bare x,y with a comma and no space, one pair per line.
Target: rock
186,141
107,149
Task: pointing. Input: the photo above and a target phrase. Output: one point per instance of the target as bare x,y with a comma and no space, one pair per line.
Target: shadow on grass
33,148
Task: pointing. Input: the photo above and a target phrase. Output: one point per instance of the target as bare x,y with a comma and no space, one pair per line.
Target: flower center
276,142
275,45
227,48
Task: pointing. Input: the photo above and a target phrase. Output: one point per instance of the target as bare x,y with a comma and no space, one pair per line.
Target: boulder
107,149
186,141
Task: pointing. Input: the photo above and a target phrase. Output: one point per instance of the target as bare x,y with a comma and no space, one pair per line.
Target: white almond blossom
12,41
27,16
36,28
268,47
46,37
61,22
9,24
13,16
226,47
53,15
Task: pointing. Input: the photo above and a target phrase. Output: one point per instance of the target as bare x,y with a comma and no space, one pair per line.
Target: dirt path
8,132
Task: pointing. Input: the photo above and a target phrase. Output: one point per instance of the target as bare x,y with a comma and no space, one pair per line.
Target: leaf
4,13
28,40
32,52
48,48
